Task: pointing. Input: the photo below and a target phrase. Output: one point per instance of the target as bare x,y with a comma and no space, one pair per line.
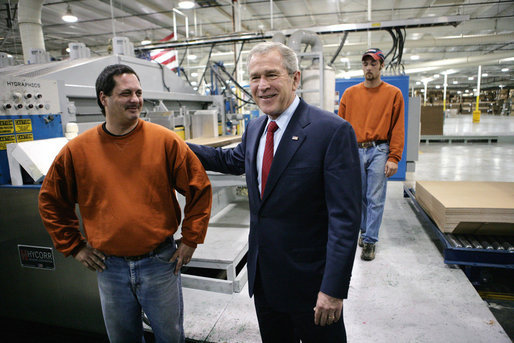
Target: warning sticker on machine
6,139
23,125
36,257
24,137
6,126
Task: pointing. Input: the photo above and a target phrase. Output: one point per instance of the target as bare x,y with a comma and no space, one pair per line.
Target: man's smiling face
273,89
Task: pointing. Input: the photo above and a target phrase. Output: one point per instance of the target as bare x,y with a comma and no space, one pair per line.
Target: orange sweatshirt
125,188
376,114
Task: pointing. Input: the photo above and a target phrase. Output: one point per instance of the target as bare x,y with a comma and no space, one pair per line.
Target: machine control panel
24,96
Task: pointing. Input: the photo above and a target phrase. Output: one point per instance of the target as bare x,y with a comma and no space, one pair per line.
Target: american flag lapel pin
294,138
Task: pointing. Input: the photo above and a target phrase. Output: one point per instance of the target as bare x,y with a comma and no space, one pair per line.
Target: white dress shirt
282,122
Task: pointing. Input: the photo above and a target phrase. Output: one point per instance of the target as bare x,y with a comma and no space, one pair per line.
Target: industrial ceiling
476,33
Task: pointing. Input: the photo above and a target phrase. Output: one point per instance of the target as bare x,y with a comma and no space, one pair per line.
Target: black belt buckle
136,258
369,144
365,145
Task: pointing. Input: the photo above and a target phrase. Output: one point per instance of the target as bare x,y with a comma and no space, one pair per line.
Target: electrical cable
238,57
394,42
216,68
338,49
206,65
162,77
183,56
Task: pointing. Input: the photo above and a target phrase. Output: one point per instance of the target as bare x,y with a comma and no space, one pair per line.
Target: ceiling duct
279,37
305,37
309,38
31,31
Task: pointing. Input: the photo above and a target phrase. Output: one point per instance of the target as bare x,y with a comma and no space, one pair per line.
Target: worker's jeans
374,184
128,287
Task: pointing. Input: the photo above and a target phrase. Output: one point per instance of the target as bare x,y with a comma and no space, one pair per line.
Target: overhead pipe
271,13
29,22
279,37
306,37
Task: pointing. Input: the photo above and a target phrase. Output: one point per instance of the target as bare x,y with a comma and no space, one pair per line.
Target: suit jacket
303,232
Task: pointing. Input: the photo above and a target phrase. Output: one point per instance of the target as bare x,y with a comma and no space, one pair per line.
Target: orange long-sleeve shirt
376,114
125,188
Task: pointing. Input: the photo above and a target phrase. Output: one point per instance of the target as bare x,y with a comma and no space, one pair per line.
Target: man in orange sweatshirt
376,110
123,174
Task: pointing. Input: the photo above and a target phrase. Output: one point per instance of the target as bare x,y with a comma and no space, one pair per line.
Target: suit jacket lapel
252,145
291,140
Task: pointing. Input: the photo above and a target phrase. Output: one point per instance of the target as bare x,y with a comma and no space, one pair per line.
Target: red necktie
268,154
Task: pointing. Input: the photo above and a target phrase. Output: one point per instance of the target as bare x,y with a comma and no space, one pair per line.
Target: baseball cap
375,53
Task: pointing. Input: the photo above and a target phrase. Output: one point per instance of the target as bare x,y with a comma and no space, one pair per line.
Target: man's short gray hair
288,55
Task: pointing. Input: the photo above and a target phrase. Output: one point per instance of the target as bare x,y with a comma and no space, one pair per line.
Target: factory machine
56,100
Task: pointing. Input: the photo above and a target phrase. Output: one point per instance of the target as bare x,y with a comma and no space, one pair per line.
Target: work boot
361,243
368,252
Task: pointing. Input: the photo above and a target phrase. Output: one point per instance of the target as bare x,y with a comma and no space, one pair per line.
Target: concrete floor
407,294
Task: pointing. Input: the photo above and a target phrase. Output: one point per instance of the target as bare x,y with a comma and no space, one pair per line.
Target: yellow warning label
376,24
7,139
6,126
24,137
23,125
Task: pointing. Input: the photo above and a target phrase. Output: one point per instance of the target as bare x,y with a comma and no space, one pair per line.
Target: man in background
375,110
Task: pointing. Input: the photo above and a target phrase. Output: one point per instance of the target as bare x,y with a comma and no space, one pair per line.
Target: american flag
167,57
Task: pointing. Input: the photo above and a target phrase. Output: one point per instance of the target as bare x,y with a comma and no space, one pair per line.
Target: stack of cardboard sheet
469,207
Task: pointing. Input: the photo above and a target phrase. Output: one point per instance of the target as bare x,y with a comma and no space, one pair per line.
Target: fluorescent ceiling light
186,4
508,59
449,71
414,57
485,75
455,82
471,78
146,41
436,76
416,35
194,74
437,86
69,17
505,69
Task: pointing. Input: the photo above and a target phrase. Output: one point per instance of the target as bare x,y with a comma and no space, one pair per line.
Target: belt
148,254
365,145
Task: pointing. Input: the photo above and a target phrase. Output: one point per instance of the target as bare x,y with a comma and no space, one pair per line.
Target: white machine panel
25,96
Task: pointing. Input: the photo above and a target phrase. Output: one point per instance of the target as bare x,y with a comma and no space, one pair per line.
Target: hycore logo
36,257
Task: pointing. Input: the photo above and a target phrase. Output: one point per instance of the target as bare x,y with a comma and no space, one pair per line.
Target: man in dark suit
304,188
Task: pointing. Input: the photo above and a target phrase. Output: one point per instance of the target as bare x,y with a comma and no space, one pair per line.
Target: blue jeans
374,184
129,287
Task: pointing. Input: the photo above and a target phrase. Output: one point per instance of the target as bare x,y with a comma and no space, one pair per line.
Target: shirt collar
285,117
